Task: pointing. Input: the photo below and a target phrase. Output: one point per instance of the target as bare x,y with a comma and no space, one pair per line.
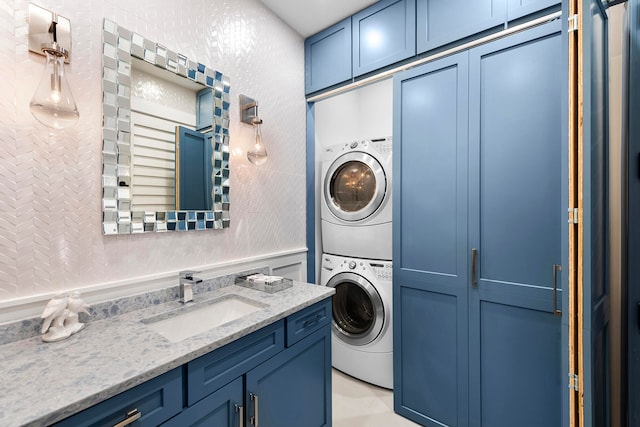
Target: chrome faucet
186,285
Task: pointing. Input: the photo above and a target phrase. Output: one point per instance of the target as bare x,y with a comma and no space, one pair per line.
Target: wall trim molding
28,307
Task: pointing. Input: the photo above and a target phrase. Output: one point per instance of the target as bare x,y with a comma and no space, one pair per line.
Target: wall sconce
50,35
249,114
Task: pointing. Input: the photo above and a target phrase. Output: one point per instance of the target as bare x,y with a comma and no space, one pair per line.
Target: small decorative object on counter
61,316
263,282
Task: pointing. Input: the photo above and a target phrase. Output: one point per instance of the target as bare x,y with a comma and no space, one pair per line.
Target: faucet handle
188,274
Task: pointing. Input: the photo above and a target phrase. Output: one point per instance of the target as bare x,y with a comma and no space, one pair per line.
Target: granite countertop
43,383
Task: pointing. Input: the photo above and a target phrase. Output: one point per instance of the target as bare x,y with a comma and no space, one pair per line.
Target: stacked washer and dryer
356,261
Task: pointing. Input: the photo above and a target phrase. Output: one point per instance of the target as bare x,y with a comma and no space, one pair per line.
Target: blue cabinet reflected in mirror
165,138
194,168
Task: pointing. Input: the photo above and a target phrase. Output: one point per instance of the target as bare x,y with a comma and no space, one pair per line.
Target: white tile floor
359,404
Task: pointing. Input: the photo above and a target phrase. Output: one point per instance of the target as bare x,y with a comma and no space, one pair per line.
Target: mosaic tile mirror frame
120,47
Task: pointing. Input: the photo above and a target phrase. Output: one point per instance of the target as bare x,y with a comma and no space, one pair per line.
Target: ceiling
308,17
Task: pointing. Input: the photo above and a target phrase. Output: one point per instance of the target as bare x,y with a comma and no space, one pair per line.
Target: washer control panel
382,270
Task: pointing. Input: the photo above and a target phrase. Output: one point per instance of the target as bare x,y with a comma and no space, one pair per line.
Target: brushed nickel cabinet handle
132,415
474,267
254,419
240,410
556,268
312,321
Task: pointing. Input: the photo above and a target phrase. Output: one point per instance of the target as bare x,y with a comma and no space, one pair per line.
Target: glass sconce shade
53,104
257,154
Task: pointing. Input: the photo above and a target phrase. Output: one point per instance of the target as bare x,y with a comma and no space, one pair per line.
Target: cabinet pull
240,410
132,415
474,267
254,419
556,268
312,321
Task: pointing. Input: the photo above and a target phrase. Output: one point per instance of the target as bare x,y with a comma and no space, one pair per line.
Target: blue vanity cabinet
480,242
208,373
383,34
291,378
294,387
439,23
222,408
327,57
306,321
148,404
285,380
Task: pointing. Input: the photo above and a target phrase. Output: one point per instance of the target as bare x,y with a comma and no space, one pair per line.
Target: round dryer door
355,186
358,313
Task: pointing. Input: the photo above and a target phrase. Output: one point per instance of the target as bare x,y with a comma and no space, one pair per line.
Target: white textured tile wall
50,191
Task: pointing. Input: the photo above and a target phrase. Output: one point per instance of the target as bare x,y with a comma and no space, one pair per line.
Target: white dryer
356,199
361,341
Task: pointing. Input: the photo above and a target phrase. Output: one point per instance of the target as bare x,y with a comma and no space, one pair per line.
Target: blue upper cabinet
327,57
383,34
519,8
441,22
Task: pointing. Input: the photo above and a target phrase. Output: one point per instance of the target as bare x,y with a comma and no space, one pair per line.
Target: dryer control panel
382,145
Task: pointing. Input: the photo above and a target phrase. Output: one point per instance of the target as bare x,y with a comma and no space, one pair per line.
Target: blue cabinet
516,217
383,34
519,8
327,57
294,387
204,110
442,22
306,321
194,168
478,235
208,373
148,404
282,384
430,275
221,408
391,31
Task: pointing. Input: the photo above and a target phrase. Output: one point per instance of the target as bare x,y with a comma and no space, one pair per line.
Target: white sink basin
192,320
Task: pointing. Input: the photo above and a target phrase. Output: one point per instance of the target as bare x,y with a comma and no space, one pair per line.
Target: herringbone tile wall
50,190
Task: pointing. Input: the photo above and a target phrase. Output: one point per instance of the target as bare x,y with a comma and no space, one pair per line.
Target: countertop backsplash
28,328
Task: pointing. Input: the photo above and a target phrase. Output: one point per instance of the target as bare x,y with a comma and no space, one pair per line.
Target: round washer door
354,186
358,313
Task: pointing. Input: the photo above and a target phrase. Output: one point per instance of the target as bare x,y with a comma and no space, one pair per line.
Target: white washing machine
356,199
361,338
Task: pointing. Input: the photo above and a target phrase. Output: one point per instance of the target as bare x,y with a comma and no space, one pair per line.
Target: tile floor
359,404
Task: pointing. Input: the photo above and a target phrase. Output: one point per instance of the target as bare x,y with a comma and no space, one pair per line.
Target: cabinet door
383,34
441,22
430,241
517,208
294,387
221,409
327,57
193,169
519,8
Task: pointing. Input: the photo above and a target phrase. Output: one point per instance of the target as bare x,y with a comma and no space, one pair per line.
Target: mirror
156,103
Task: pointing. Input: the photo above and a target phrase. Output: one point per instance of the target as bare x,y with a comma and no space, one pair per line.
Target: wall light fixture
257,154
52,104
